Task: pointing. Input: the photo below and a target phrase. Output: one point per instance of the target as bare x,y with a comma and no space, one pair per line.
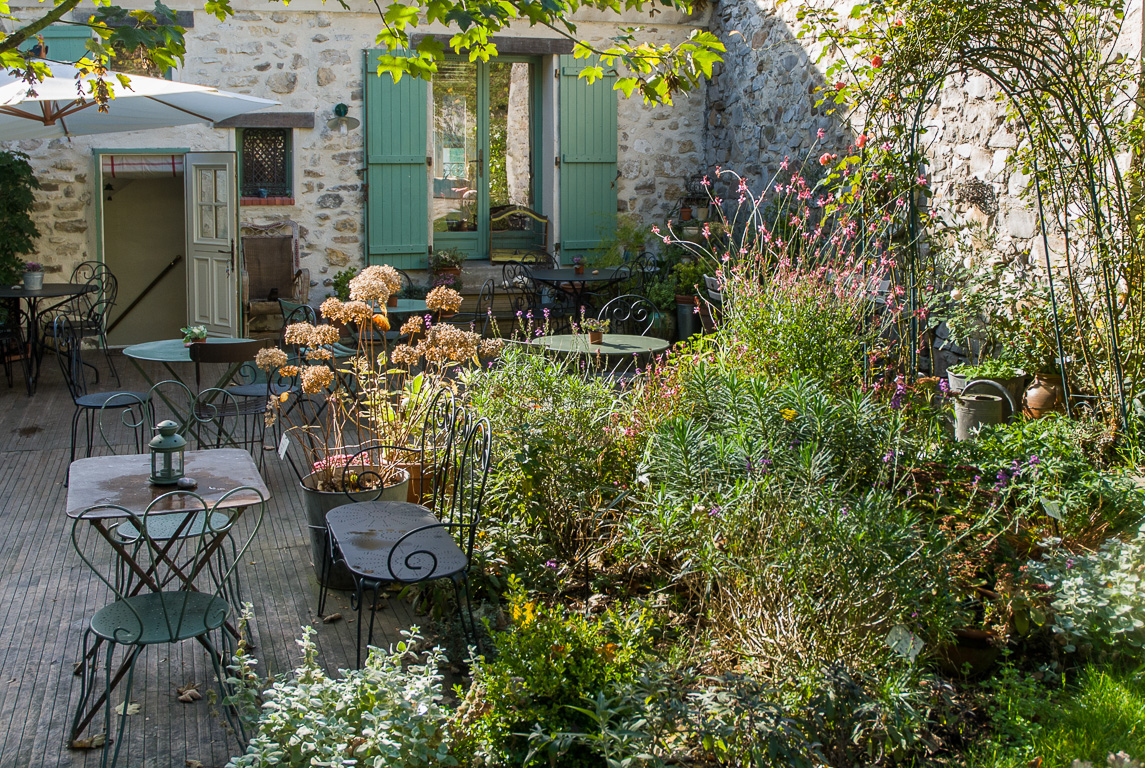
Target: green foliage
1095,721
446,258
390,712
341,282
994,369
792,322
560,457
549,663
689,277
1053,466
1099,599
18,232
623,237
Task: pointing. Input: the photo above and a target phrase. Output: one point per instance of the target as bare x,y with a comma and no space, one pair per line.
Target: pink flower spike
922,179
819,134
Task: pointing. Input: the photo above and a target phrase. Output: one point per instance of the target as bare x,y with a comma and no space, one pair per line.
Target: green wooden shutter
397,196
588,158
66,42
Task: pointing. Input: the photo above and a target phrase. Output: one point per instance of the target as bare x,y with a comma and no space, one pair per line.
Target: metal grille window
266,156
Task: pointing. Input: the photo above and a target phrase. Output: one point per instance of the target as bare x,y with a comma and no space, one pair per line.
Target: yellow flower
788,413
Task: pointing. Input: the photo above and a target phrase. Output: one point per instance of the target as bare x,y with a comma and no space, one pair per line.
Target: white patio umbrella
55,107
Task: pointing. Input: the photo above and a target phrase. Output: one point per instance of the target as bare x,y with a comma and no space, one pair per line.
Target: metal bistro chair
89,311
13,343
629,314
519,287
156,601
396,541
67,343
482,314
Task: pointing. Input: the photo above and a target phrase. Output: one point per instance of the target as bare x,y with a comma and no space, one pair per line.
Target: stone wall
309,58
761,110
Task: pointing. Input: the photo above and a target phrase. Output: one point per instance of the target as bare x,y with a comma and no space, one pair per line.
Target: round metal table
568,281
32,298
611,345
408,307
168,351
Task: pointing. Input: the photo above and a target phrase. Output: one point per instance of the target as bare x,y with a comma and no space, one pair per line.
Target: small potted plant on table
194,334
578,265
33,276
596,328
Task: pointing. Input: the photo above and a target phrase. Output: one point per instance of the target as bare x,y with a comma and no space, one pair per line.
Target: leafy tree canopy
656,71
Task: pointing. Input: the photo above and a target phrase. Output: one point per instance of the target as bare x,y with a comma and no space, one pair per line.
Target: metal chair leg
135,652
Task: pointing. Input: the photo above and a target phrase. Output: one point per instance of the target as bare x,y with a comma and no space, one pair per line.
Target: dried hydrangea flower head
375,283
449,344
308,335
490,348
298,333
357,312
270,358
315,379
404,354
413,326
331,309
442,299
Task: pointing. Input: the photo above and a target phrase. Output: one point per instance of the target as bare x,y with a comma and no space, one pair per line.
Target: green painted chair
168,569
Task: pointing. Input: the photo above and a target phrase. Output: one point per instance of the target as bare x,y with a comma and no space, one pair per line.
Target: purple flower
944,386
552,564
888,457
715,511
1069,562
1034,461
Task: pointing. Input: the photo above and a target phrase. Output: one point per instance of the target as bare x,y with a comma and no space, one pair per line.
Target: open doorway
144,244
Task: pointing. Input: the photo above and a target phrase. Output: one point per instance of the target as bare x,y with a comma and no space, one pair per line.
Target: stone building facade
309,57
758,109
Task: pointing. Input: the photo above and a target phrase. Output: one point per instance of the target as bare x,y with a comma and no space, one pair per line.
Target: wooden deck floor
47,595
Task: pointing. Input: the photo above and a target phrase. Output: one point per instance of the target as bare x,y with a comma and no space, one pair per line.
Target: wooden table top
123,481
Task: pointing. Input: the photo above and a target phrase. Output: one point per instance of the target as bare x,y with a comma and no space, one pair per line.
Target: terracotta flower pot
1044,395
595,337
578,269
392,301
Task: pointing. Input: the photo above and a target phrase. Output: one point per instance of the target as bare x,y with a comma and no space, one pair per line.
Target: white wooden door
212,221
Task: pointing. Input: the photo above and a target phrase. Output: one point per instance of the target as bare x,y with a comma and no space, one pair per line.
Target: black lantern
167,449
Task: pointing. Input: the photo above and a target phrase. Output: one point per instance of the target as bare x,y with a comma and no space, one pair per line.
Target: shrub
18,232
389,712
1098,597
550,664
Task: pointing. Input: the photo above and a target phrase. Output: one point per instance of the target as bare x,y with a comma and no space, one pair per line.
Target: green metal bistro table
612,345
32,299
408,307
171,351
168,352
568,280
122,481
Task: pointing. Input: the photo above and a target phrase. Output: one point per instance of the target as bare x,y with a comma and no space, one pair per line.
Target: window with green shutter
397,179
60,42
588,158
